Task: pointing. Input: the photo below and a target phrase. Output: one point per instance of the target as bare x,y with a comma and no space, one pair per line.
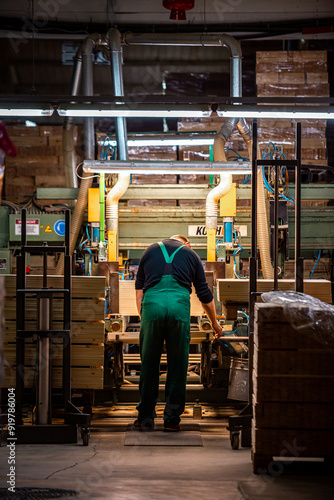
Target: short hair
180,237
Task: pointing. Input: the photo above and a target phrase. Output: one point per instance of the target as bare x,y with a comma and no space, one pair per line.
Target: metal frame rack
242,422
45,431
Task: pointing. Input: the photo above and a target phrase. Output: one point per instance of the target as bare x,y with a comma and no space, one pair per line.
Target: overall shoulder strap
168,259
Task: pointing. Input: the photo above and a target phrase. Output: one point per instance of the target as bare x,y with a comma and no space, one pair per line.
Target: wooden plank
85,355
89,332
127,300
133,337
82,309
82,286
294,415
232,290
293,442
290,388
294,362
81,378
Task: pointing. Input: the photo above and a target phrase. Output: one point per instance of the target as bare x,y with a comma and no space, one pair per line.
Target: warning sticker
3,264
32,227
48,229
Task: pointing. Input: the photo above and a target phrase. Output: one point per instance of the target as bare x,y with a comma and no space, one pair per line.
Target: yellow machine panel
93,205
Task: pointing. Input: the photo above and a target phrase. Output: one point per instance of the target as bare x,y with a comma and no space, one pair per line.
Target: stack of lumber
39,162
87,331
293,74
236,291
127,300
293,392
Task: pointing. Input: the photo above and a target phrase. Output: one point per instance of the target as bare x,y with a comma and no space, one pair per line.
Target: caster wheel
85,433
235,438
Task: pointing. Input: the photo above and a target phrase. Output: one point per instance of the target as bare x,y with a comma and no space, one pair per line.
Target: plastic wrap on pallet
308,315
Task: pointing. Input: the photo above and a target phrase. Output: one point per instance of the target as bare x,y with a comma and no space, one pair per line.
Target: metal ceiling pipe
68,142
113,39
199,40
91,42
223,135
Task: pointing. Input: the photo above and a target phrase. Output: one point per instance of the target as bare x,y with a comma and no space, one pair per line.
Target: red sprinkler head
178,8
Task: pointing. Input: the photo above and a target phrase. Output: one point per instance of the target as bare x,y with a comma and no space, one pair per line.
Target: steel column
299,267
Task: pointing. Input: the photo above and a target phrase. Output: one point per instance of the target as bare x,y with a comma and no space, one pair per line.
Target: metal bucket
238,380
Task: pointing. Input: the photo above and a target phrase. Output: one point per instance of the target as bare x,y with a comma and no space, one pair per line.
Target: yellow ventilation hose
262,221
77,217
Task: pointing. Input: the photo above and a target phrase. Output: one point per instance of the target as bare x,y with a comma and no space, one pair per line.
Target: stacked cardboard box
293,74
293,392
39,162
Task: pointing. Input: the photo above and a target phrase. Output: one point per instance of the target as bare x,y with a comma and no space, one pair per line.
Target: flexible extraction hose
262,220
113,198
211,209
88,46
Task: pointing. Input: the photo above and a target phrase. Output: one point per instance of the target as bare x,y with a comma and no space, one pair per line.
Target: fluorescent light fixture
161,140
166,167
134,111
293,112
23,110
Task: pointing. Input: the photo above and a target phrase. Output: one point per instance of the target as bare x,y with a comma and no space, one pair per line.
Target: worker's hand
218,329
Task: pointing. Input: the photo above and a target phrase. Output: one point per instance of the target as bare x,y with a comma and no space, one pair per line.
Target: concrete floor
106,469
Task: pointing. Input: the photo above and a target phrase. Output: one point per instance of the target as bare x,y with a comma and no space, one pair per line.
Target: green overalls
165,316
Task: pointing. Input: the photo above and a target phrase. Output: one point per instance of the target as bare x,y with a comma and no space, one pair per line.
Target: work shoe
146,425
171,427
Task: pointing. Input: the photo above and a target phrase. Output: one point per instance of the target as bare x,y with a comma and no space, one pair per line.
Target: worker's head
181,238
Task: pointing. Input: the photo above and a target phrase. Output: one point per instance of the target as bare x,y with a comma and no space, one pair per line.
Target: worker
164,280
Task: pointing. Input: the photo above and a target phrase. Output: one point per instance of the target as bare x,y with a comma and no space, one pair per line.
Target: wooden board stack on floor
293,392
128,306
237,291
87,332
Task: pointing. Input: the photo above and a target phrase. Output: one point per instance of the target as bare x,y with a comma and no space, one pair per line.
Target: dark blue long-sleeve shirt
186,267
